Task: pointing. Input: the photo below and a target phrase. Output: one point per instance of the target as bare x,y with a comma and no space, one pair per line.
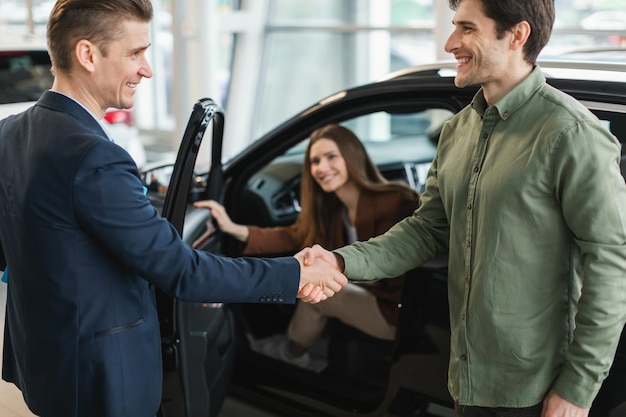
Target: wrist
341,263
241,232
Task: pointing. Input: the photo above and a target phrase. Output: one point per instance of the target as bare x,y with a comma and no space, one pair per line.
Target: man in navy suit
85,246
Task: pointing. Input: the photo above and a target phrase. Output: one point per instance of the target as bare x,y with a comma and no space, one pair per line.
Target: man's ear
86,54
521,32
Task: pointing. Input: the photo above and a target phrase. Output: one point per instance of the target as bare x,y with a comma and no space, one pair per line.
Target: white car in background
25,75
605,20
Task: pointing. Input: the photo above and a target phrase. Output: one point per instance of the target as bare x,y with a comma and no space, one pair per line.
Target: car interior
357,365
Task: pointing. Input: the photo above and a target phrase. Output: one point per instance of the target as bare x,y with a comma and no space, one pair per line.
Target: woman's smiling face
328,167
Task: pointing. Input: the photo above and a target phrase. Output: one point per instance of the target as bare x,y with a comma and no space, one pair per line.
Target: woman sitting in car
344,198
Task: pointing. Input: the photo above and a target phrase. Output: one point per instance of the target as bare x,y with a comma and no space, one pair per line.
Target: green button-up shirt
528,198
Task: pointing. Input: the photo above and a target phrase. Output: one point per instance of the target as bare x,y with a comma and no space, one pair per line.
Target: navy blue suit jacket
83,245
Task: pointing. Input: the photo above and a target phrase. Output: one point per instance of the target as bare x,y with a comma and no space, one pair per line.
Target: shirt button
463,358
469,206
468,243
475,169
485,135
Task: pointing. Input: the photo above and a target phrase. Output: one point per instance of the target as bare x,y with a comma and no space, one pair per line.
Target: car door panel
198,338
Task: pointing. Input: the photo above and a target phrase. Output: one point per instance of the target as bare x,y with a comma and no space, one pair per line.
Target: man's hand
555,406
318,279
311,294
310,254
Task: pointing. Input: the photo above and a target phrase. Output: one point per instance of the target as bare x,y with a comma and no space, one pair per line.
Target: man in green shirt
526,194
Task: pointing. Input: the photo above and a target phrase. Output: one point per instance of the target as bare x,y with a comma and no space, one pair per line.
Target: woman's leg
353,305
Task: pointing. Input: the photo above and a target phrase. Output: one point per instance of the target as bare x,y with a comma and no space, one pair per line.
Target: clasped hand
320,277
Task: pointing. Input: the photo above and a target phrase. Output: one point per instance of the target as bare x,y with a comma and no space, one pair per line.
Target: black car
207,348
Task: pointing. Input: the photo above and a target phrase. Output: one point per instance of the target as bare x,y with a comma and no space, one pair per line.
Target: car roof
598,84
587,68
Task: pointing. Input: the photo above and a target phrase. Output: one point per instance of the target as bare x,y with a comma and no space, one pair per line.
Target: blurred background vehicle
25,75
605,20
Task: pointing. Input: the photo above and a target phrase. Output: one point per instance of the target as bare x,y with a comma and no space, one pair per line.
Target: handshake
320,274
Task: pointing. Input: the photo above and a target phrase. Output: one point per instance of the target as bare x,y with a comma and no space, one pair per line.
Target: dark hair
321,211
98,21
506,13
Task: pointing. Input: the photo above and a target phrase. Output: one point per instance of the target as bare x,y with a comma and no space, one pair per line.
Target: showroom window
312,49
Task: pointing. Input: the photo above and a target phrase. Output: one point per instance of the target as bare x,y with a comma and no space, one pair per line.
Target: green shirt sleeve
593,200
408,244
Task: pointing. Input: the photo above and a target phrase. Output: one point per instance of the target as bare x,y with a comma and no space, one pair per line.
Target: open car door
197,338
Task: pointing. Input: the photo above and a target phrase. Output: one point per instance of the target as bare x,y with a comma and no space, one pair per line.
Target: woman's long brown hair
321,211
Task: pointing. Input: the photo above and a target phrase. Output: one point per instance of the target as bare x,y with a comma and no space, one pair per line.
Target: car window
416,133
401,145
24,75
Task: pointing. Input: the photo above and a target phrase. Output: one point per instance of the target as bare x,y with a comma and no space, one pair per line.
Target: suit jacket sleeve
109,203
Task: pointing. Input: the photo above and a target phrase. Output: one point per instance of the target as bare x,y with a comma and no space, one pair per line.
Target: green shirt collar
514,99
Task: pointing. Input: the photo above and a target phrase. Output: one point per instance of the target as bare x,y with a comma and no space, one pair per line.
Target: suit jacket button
275,298
281,298
262,298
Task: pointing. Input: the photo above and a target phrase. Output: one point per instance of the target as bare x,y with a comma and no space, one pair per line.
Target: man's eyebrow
142,48
463,23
